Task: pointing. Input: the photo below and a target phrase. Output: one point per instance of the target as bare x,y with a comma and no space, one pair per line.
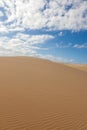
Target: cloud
1,14
80,45
70,45
41,14
34,39
55,58
60,34
22,44
62,45
17,17
3,29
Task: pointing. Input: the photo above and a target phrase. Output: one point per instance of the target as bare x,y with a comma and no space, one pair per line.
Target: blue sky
49,29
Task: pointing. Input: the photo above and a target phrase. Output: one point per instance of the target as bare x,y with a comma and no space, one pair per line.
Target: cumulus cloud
1,14
44,14
22,44
34,39
3,29
17,16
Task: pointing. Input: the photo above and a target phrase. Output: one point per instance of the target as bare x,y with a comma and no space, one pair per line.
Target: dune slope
78,66
38,94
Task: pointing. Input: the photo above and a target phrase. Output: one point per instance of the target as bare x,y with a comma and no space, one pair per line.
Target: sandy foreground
38,94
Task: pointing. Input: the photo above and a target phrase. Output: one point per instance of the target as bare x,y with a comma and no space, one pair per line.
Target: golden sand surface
38,94
79,66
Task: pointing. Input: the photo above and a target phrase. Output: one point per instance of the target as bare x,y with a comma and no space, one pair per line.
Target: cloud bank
44,14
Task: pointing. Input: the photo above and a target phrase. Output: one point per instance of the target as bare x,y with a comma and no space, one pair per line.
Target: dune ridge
38,94
82,67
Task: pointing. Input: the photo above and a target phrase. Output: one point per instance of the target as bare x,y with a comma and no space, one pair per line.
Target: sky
49,29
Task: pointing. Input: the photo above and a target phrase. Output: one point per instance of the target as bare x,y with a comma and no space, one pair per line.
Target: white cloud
60,34
80,45
61,45
39,14
3,29
70,45
22,44
1,3
55,58
21,15
34,39
1,14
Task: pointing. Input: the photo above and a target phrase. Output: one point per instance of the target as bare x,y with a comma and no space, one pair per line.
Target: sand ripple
51,121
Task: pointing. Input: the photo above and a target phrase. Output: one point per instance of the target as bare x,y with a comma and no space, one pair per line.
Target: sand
38,94
79,66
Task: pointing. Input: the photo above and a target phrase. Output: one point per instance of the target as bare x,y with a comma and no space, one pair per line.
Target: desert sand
39,94
79,66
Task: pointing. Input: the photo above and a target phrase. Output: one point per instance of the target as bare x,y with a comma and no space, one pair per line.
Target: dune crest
79,66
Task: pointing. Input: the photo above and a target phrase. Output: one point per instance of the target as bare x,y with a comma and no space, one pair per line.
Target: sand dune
78,66
38,94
